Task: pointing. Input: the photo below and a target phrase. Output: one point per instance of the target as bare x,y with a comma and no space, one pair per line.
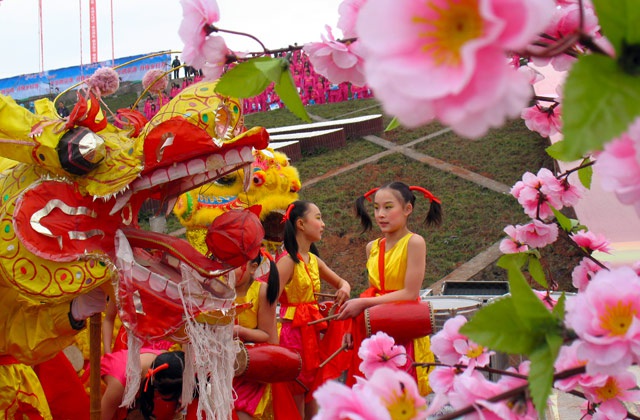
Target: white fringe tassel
134,344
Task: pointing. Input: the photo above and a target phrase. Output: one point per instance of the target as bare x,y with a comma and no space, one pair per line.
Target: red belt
6,359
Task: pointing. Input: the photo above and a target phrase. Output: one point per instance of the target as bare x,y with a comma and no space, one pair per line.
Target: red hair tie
287,213
426,193
152,372
265,254
369,193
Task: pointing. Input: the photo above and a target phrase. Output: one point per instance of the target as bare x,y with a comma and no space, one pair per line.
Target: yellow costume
299,306
395,268
253,398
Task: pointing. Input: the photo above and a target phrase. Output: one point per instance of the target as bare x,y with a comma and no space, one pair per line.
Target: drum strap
381,251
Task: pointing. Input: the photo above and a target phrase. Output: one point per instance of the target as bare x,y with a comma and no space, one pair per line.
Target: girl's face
390,211
311,224
245,273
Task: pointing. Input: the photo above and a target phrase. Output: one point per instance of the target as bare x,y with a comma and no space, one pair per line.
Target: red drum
326,308
267,363
403,321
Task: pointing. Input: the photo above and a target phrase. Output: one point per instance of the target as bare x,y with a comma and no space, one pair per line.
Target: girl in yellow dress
300,271
395,264
256,324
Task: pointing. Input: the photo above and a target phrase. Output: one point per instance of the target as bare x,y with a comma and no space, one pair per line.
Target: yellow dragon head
272,184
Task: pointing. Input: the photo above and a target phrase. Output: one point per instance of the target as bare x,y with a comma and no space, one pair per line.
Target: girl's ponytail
361,211
434,216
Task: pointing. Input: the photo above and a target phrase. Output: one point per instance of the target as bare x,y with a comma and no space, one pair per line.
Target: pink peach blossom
441,381
583,272
511,410
338,401
606,318
451,347
199,46
380,350
512,244
546,298
398,393
536,193
348,11
470,390
566,22
538,234
568,359
446,59
610,395
570,193
591,241
543,120
339,62
618,166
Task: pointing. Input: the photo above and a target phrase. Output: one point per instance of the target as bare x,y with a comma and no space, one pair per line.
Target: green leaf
541,371
536,271
243,81
558,151
496,327
393,124
287,91
558,310
515,261
600,101
585,174
619,20
564,222
272,68
529,308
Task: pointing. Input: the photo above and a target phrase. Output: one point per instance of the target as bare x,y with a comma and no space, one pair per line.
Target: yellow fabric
20,389
249,317
395,269
264,410
302,286
395,265
31,332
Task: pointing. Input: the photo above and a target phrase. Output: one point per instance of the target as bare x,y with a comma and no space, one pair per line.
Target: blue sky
141,26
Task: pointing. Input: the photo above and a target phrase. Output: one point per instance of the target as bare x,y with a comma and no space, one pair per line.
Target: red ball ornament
235,237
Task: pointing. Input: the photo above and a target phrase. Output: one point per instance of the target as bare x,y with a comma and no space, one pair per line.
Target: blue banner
52,82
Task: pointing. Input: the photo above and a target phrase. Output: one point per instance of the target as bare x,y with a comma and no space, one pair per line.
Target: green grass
319,164
504,154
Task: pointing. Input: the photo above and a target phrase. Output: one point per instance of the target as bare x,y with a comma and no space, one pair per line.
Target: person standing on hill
396,266
175,64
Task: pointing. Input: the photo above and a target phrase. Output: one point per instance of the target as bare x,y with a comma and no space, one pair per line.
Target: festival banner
52,82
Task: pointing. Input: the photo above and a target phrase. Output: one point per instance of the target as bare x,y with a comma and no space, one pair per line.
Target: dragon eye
258,179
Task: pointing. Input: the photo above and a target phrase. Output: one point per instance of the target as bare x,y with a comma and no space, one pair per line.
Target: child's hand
352,308
343,293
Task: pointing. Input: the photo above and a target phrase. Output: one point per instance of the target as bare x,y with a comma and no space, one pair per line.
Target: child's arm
285,271
416,265
343,288
266,331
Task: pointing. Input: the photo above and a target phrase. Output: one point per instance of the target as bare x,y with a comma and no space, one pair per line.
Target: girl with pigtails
300,270
395,265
